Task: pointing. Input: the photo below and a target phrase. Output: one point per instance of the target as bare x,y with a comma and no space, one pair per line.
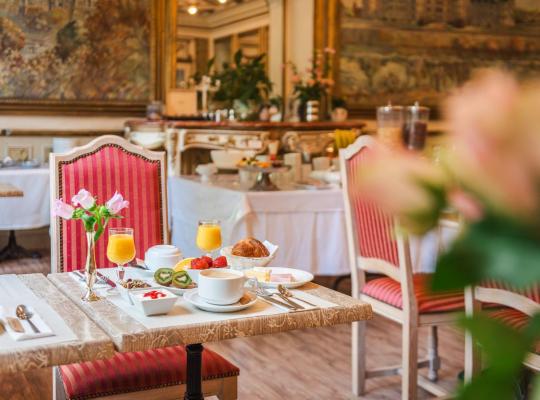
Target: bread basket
239,262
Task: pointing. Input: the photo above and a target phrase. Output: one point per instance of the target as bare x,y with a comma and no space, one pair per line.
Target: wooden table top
130,335
92,342
9,190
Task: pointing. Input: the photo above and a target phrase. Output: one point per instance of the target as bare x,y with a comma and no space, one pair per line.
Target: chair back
104,166
524,299
374,243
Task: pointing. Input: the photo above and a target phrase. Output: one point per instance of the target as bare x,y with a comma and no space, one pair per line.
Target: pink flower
467,205
116,203
295,79
84,199
491,146
62,210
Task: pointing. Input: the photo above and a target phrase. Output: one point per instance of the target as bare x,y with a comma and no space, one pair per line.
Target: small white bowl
238,262
162,256
228,159
150,306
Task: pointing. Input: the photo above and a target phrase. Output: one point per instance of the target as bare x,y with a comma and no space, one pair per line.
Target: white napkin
272,248
9,311
98,284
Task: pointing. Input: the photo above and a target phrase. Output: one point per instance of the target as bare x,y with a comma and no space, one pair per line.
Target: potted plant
315,83
242,85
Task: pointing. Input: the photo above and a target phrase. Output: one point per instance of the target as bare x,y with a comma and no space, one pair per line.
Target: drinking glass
209,235
121,248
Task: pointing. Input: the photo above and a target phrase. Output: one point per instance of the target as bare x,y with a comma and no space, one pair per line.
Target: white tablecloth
307,225
32,210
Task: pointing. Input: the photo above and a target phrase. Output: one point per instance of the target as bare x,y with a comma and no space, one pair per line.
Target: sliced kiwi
181,279
163,276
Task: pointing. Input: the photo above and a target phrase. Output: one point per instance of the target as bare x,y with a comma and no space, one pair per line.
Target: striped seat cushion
513,318
388,291
136,371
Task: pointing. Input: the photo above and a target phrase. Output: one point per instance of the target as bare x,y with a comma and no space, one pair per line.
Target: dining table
9,190
73,337
308,225
192,327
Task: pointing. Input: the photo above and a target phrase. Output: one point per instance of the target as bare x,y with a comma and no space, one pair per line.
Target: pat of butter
260,273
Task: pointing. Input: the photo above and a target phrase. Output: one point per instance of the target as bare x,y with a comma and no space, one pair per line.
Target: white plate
300,277
148,277
193,297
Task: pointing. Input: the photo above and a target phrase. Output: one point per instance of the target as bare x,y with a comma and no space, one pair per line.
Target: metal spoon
23,313
287,293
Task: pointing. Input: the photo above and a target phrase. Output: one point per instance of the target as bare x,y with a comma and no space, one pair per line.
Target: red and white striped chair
106,165
518,306
376,246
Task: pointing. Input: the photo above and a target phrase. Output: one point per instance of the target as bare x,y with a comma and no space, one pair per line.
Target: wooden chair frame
223,388
408,317
56,160
474,297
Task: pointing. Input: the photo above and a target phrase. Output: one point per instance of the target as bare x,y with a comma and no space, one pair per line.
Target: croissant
250,247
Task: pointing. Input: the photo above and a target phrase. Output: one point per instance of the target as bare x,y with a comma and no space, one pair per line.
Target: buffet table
307,225
32,209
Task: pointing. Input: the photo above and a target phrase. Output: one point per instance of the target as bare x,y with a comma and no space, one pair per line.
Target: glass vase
90,269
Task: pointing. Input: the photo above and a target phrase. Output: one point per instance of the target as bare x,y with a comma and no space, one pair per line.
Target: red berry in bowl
199,263
208,261
220,262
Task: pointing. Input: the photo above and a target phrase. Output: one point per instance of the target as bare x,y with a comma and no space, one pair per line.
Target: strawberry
220,262
199,263
208,260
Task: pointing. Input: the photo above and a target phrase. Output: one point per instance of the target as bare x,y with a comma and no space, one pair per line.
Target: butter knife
292,303
106,280
278,303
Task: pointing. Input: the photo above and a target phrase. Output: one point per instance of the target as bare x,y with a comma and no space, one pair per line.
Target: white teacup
221,286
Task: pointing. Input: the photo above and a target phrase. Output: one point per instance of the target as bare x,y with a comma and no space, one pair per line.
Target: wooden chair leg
58,390
473,357
409,375
358,358
433,354
229,390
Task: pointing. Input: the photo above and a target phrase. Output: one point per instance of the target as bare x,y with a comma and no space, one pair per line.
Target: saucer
193,297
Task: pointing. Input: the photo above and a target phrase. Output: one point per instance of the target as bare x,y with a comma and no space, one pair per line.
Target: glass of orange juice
121,248
209,235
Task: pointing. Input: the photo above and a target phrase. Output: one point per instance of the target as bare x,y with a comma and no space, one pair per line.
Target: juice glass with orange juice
209,235
121,248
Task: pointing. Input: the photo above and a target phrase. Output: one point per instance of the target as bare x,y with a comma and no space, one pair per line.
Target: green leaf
238,57
89,222
493,248
505,349
461,266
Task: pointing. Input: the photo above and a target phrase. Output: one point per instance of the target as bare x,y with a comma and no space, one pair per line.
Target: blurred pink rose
62,210
84,199
396,180
116,203
492,152
295,79
470,208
